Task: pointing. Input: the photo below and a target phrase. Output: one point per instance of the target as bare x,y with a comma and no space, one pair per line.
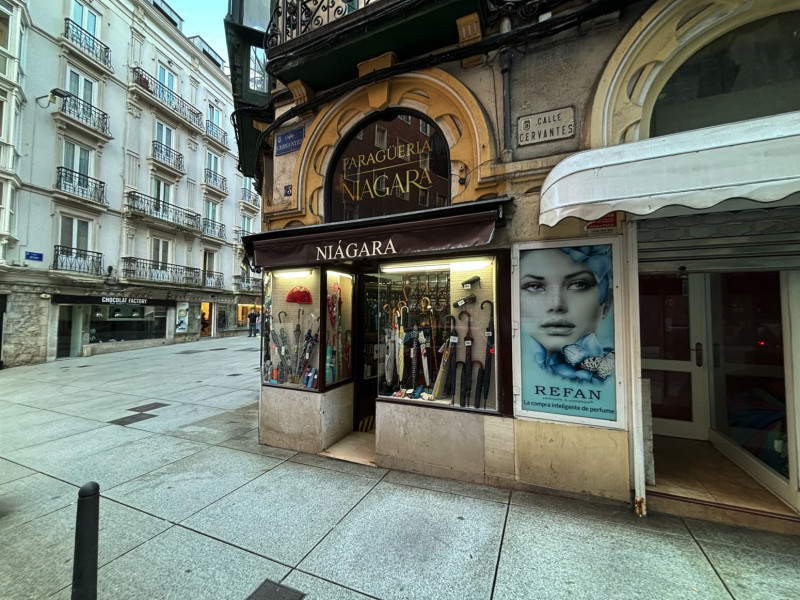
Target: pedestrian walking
252,318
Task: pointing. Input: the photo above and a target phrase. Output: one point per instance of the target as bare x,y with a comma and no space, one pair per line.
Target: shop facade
526,288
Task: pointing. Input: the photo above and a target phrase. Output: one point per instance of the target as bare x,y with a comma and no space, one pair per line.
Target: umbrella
308,346
347,336
400,346
485,376
424,357
466,372
330,350
297,334
414,335
390,346
477,401
444,369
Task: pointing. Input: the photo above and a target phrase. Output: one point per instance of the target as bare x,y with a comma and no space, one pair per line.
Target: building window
258,70
402,144
84,88
247,224
5,26
424,198
162,192
212,162
166,77
8,210
380,137
164,134
405,119
159,252
210,210
74,233
214,115
85,18
424,127
77,158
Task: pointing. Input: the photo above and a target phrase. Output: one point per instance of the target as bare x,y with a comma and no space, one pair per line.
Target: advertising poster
566,310
182,317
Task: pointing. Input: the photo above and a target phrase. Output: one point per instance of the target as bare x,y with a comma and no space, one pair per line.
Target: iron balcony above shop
215,132
250,197
153,270
78,184
77,260
166,97
168,156
216,180
301,34
214,228
87,42
141,204
238,232
246,284
87,114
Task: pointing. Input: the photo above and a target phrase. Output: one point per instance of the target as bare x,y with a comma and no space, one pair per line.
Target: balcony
249,197
77,260
166,97
83,186
246,284
88,118
89,44
168,159
238,232
298,33
213,279
153,270
214,229
217,134
216,181
146,206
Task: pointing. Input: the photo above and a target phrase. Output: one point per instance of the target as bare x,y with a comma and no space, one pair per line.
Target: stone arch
433,92
656,46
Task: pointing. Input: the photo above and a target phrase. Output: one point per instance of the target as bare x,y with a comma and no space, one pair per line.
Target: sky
204,18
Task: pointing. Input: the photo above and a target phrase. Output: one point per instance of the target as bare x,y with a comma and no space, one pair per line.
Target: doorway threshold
695,480
358,447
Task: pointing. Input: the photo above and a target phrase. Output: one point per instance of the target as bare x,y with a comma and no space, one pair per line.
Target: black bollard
84,568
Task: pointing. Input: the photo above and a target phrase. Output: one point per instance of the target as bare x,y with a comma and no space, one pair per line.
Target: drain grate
269,590
146,407
132,419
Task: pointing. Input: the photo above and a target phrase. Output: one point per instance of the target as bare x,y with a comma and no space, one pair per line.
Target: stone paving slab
760,541
248,442
341,466
319,589
38,555
180,564
28,498
10,471
184,487
283,514
59,426
232,400
421,544
199,423
461,488
547,555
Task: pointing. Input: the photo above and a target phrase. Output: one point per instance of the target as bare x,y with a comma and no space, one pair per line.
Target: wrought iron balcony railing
168,97
165,211
216,132
238,232
251,197
76,259
211,227
85,113
81,185
246,284
213,279
292,18
168,156
216,180
153,270
87,42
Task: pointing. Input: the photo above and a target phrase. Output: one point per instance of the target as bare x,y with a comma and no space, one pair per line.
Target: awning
459,227
758,160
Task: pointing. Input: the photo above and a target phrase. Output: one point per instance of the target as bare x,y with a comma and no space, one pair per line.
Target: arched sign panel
396,163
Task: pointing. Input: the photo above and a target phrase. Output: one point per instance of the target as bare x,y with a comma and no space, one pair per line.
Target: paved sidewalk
192,507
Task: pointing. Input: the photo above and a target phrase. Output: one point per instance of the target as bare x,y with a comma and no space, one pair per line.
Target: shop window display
126,322
435,324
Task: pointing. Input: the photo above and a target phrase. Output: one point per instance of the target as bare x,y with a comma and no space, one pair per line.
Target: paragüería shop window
385,165
434,332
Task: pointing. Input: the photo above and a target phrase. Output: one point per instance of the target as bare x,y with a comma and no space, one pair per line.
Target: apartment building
121,209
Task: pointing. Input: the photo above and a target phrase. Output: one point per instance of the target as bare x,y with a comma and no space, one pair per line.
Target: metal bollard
84,571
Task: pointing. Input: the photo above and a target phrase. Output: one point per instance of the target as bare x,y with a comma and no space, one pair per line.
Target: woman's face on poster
559,299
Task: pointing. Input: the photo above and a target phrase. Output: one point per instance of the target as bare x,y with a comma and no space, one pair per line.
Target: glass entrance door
672,310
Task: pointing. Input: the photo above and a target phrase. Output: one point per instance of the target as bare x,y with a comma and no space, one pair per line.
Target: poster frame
619,307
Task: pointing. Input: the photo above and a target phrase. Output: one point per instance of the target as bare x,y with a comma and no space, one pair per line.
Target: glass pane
69,155
670,394
664,316
748,369
83,235
66,232
258,70
339,313
74,84
91,22
293,346
83,165
436,327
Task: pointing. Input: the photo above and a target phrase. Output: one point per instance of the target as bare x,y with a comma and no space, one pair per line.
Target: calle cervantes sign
546,126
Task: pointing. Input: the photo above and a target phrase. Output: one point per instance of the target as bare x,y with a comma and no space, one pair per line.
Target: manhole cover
269,590
132,419
146,407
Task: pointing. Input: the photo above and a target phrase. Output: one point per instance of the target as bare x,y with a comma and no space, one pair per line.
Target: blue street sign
34,256
289,141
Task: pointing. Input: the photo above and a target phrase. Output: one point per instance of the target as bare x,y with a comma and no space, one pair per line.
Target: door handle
698,354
